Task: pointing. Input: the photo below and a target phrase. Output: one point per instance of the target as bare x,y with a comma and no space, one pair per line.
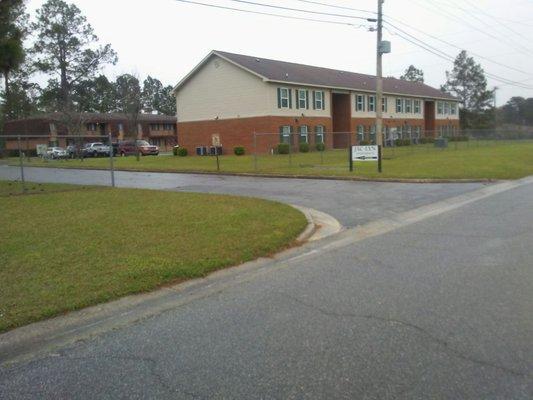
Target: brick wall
240,132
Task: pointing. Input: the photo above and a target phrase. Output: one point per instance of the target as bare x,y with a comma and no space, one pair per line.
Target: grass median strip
70,247
463,160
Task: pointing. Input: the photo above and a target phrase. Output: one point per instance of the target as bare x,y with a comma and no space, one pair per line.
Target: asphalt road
352,203
439,309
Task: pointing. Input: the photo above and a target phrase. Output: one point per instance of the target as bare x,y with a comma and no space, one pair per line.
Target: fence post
350,158
290,149
111,166
255,151
22,181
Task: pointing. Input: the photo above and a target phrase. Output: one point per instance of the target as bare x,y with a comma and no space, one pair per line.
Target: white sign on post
364,153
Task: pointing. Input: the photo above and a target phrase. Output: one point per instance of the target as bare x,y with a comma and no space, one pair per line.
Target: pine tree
413,74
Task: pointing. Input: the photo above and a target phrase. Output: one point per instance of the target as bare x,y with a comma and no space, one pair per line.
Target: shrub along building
232,96
49,128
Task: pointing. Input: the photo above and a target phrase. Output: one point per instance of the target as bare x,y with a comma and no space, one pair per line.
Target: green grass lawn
470,160
66,247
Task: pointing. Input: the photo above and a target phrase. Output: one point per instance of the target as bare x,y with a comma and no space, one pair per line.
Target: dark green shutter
314,100
323,101
297,99
279,97
290,98
307,99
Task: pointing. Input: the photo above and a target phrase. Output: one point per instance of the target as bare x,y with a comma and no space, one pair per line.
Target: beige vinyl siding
391,108
273,109
221,89
446,116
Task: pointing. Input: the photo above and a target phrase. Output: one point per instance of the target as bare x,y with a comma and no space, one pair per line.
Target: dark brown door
429,118
341,117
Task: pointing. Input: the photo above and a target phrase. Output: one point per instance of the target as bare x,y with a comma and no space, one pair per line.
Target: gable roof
301,74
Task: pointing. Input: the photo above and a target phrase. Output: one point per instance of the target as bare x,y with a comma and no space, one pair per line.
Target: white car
56,152
96,149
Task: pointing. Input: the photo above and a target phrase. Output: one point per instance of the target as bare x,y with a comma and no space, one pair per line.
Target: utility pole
379,76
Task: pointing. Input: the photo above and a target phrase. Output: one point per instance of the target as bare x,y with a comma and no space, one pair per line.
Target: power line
441,54
457,47
298,10
497,20
448,14
270,14
337,6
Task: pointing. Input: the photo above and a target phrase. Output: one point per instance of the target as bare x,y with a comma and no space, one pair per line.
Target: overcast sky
167,38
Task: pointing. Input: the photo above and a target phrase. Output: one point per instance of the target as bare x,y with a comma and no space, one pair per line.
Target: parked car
73,150
95,149
56,152
129,147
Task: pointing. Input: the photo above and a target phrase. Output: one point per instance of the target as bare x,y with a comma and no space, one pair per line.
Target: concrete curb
284,176
30,341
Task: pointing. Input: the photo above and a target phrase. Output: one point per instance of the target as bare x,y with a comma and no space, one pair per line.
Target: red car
132,147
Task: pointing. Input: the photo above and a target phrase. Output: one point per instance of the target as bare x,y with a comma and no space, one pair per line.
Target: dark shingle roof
106,117
281,71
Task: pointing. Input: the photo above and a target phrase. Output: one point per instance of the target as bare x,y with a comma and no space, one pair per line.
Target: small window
384,104
302,98
304,134
408,106
417,106
284,98
372,103
92,126
360,103
319,100
319,133
446,108
285,134
453,108
373,133
399,105
168,127
440,108
360,133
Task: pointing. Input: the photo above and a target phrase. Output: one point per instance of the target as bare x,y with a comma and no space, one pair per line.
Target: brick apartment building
231,96
157,129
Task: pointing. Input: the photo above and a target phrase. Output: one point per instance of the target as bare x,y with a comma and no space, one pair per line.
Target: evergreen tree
66,47
12,31
168,101
413,74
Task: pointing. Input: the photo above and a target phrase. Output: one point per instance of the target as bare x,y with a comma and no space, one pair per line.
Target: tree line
65,49
467,82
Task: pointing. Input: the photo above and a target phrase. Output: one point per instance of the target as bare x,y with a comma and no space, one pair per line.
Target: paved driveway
352,203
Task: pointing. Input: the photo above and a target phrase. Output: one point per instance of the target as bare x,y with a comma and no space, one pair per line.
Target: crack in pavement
441,342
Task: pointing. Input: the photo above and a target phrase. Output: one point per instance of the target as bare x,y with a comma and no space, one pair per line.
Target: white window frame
440,108
320,133
319,102
399,106
372,103
360,102
416,107
446,108
360,133
303,133
285,134
408,106
384,104
286,97
453,108
304,99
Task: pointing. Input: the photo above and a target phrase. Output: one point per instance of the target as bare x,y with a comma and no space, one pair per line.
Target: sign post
215,140
366,153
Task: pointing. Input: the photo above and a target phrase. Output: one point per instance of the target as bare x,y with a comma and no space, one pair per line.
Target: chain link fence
317,153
